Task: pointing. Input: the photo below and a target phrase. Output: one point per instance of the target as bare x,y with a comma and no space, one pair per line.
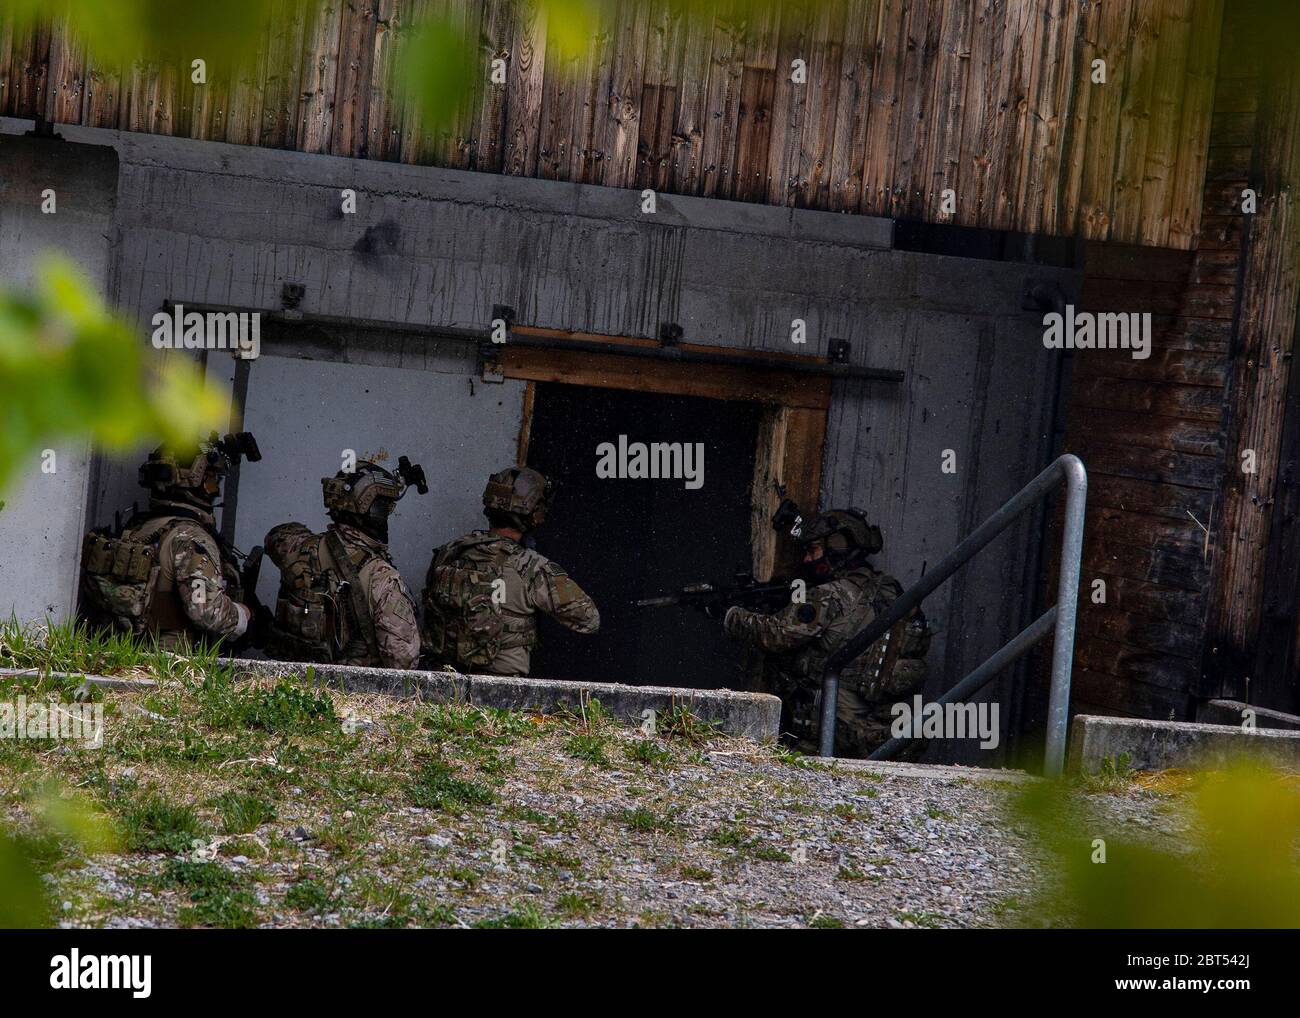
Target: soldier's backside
319,616
481,599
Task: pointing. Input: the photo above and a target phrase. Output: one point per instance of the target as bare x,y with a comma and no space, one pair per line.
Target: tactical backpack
464,625
119,579
320,612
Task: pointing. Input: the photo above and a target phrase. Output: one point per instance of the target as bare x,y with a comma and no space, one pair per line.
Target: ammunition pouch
465,626
120,579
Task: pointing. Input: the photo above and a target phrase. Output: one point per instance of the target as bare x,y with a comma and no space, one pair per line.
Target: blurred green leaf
70,369
1239,870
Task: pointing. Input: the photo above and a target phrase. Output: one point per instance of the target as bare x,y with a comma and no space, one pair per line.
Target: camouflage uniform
469,628
167,574
800,638
344,627
184,589
483,591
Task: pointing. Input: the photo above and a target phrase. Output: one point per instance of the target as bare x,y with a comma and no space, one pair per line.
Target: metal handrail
1059,619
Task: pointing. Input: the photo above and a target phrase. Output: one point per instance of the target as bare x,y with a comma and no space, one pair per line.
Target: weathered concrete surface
754,715
1156,745
1229,712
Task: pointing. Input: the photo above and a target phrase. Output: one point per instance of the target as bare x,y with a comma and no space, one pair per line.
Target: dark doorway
624,539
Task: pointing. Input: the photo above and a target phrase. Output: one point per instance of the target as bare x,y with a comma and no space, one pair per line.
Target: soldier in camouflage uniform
341,600
483,591
844,594
167,574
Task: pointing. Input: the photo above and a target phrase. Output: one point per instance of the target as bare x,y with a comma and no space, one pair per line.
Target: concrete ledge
753,715
1156,745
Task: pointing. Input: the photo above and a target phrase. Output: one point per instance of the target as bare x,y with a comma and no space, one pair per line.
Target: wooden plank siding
904,98
1154,433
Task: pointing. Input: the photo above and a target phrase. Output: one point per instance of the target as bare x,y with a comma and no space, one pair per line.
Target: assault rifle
712,598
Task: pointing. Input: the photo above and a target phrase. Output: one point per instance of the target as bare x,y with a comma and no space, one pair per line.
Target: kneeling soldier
341,600
844,594
483,591
167,573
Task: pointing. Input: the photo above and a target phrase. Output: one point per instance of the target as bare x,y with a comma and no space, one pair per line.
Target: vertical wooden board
664,53
524,90
279,122
167,100
1080,115
416,142
456,137
691,117
320,75
924,24
1025,74
248,74
488,144
878,175
1194,130
620,119
939,169
1000,107
753,134
591,101
722,97
1041,212
560,91
35,67
972,173
66,96
103,87
6,58
748,177
789,102
813,165
852,107
207,104
1167,98
1097,196
352,91
1135,118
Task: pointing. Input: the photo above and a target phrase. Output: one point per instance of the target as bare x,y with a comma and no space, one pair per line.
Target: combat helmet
366,497
193,473
847,536
518,497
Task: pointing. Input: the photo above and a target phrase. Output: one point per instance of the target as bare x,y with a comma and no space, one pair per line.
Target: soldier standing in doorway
483,591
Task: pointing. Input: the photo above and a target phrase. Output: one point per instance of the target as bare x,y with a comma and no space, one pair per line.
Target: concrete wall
44,515
210,223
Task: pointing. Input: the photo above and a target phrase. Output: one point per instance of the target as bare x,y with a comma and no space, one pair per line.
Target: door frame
792,430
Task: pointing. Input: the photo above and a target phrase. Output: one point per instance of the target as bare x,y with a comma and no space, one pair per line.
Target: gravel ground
716,833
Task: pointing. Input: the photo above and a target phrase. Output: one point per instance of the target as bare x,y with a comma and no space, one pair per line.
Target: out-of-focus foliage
1240,869
442,56
70,369
62,821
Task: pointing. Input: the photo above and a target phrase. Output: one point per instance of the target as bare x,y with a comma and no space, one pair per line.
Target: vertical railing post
1067,611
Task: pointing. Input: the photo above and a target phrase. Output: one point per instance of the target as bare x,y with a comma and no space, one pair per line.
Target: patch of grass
217,896
935,813
1114,775
644,820
826,922
847,811
697,873
590,747
436,786
650,753
680,723
243,812
526,918
927,920
577,904
308,895
285,708
152,823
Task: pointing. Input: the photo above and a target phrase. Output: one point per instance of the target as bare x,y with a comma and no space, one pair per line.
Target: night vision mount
235,445
412,474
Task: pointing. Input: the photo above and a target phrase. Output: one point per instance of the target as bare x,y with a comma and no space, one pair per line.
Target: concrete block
1157,745
753,715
